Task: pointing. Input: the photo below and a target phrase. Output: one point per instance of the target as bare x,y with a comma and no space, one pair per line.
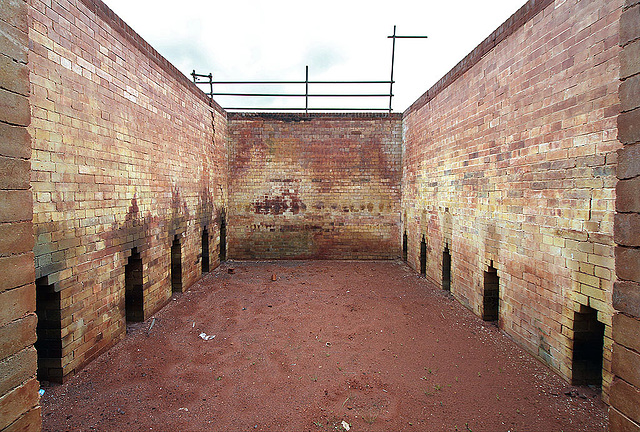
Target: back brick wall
510,160
314,186
127,152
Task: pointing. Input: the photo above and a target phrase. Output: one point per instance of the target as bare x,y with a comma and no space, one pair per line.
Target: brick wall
314,186
624,414
127,153
19,409
509,164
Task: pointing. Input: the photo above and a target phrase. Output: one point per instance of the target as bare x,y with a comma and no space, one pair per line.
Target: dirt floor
365,346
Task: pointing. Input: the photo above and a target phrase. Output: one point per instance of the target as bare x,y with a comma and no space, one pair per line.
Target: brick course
512,164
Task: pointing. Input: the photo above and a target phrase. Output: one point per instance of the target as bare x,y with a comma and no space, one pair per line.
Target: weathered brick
17,303
15,238
628,195
17,335
14,43
29,422
618,422
626,297
630,25
630,92
14,13
14,141
626,399
17,270
14,76
627,229
628,263
17,173
17,369
630,60
16,205
17,402
626,331
14,108
624,364
629,127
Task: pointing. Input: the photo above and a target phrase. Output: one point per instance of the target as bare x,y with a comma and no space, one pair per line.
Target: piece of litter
345,425
194,324
274,277
206,337
153,321
41,392
231,270
183,409
120,411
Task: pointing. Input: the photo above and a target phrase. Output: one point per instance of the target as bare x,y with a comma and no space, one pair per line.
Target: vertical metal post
211,85
306,90
393,57
193,74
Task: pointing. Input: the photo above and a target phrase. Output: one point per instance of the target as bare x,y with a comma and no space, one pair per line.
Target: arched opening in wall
176,265
405,246
446,269
205,250
588,340
423,256
133,294
223,237
491,297
49,332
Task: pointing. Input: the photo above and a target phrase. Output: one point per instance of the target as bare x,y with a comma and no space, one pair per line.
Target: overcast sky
243,40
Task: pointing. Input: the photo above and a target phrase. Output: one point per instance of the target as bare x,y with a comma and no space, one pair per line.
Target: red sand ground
368,343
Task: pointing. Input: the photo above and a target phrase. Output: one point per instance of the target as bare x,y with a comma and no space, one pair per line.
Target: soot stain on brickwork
279,204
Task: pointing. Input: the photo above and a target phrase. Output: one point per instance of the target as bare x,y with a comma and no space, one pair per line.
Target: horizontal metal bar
297,95
407,37
296,82
303,109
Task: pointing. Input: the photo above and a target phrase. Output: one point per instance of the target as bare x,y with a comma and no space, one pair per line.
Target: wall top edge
285,116
507,28
103,12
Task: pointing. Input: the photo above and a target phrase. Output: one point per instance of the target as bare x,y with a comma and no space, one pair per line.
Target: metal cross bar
393,58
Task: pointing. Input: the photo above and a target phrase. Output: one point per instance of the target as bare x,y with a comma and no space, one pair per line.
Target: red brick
17,335
630,25
17,303
14,13
625,364
16,173
15,141
14,43
630,92
17,369
17,270
14,76
626,331
626,399
16,205
29,422
16,238
628,263
17,402
14,108
629,126
628,195
627,229
618,422
630,60
626,297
